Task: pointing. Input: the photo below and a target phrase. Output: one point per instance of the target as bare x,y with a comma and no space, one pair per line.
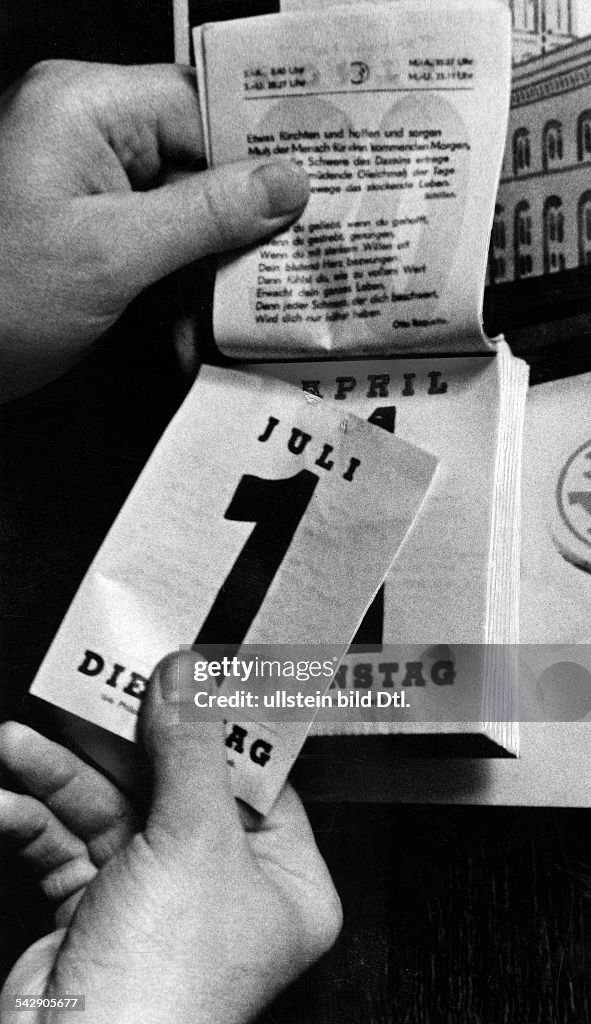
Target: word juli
297,443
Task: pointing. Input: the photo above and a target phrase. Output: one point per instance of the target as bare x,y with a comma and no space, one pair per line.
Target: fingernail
283,187
166,675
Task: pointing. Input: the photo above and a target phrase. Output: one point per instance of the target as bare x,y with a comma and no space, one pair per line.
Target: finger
287,820
285,836
31,974
84,123
83,800
155,104
67,908
192,801
42,840
285,847
150,234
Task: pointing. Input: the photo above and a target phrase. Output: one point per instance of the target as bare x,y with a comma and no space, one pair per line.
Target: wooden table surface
453,915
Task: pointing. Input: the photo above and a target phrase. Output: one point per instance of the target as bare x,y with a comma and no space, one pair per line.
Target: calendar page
443,603
264,516
449,406
397,112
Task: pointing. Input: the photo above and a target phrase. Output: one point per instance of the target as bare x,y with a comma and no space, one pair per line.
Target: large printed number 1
370,635
276,507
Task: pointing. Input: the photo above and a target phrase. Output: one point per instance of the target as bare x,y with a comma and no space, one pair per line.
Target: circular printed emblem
573,499
563,693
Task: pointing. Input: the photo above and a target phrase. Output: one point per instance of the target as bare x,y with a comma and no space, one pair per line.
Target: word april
298,442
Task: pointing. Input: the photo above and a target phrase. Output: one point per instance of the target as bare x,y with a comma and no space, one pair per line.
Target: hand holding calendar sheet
263,516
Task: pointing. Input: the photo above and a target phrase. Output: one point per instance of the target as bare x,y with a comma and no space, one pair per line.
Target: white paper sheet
397,112
331,498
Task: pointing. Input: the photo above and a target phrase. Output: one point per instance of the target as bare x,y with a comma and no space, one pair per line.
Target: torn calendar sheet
263,516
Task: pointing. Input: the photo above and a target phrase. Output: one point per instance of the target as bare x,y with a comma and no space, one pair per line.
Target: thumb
150,234
191,801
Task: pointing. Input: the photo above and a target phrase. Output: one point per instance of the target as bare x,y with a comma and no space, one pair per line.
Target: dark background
453,915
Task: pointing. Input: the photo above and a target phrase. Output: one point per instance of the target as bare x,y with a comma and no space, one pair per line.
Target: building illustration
542,222
540,26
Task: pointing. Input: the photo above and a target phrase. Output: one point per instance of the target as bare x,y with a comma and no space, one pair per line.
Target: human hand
99,198
197,917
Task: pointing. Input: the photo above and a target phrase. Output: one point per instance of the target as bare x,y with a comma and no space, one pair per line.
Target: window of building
499,233
525,15
563,22
585,230
521,151
498,243
554,248
552,145
522,241
584,136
